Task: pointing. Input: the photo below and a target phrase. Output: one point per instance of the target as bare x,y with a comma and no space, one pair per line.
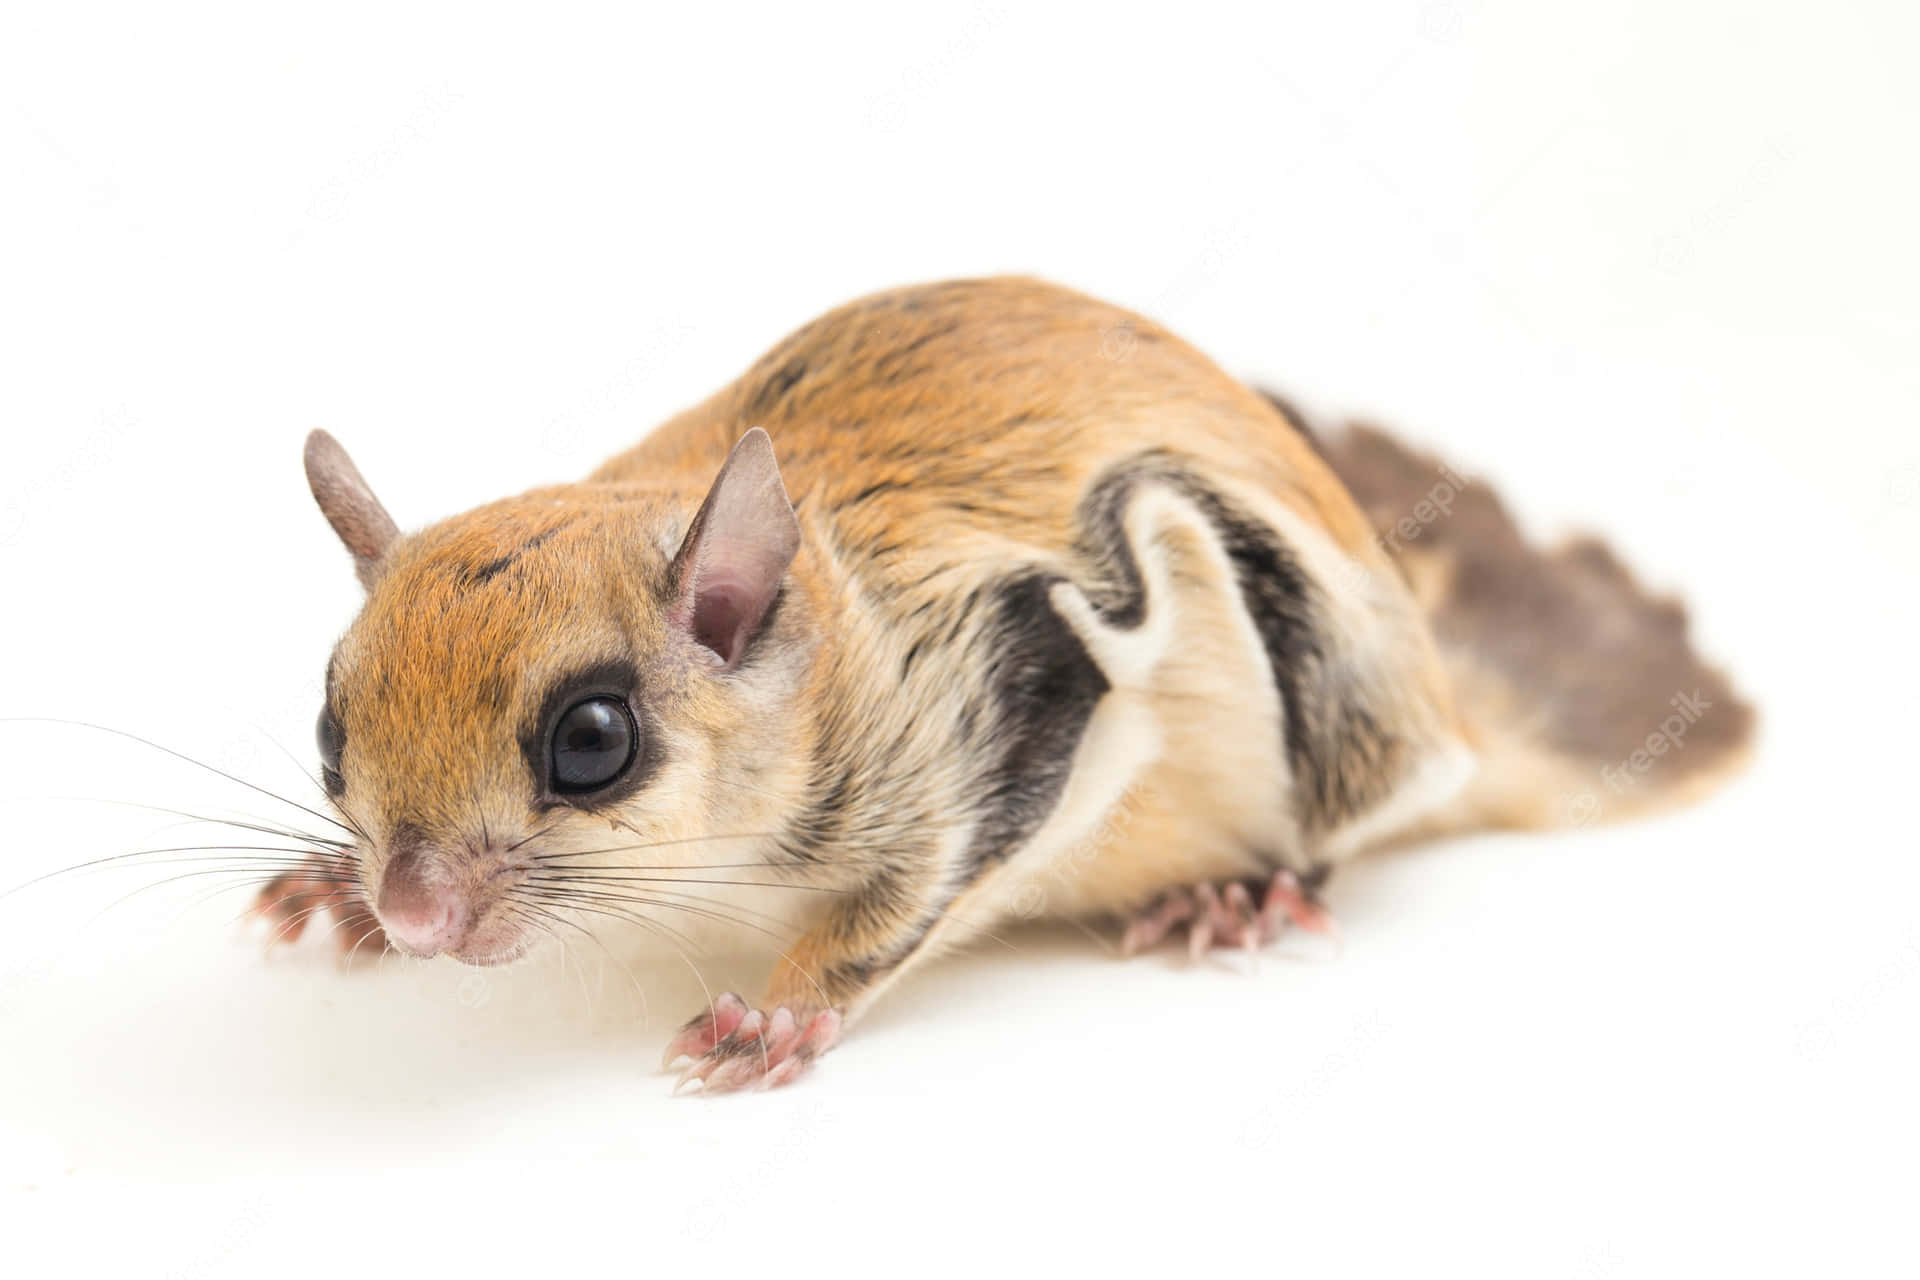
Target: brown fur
948,450
356,515
1566,663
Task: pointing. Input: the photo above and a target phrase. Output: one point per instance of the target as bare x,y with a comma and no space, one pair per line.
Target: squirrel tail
1580,689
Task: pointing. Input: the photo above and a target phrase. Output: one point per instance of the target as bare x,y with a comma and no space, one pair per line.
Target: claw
1228,915
1206,916
702,1033
762,1050
733,1061
1153,924
1237,906
1286,897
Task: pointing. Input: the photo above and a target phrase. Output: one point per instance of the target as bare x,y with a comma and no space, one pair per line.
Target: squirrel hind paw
1229,915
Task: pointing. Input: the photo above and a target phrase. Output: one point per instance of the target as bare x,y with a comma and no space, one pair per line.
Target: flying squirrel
967,601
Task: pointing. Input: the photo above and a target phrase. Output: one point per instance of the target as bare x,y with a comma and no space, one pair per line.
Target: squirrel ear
730,566
349,505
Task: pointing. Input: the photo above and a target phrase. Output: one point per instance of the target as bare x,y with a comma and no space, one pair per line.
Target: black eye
331,738
593,743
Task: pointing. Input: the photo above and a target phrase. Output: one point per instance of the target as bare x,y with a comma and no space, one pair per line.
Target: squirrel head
577,679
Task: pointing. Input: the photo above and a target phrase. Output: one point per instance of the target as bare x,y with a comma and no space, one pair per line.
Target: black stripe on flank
1044,691
1334,744
1118,590
1342,759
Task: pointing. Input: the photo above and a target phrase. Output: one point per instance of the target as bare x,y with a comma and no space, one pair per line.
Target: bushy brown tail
1587,700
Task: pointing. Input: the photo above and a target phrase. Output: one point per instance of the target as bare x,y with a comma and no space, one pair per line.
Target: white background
1648,267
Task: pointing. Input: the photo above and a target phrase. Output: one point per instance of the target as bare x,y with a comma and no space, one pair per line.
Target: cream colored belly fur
1181,776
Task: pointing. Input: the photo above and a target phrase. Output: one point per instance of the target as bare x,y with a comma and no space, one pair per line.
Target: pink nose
419,911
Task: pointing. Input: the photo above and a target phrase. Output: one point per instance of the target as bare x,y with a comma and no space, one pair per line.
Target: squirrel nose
422,912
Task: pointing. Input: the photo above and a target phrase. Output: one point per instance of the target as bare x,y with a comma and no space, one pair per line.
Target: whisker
530,838
202,899
671,936
707,900
305,855
749,787
612,879
618,876
181,755
526,916
284,833
580,971
627,968
254,879
652,926
334,899
297,919
346,961
660,844
780,944
262,865
562,893
663,866
701,912
660,926
711,911
480,811
298,763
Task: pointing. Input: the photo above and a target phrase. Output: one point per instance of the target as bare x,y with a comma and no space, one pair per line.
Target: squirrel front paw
291,901
734,1047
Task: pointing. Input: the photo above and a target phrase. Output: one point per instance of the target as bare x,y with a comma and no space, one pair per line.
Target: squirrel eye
593,743
331,738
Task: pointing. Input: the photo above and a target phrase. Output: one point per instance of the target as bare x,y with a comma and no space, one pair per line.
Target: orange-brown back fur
1072,612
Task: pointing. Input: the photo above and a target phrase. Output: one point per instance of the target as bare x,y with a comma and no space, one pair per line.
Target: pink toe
782,1034
763,1049
706,1030
733,1073
1287,896
823,1032
786,1073
1156,920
